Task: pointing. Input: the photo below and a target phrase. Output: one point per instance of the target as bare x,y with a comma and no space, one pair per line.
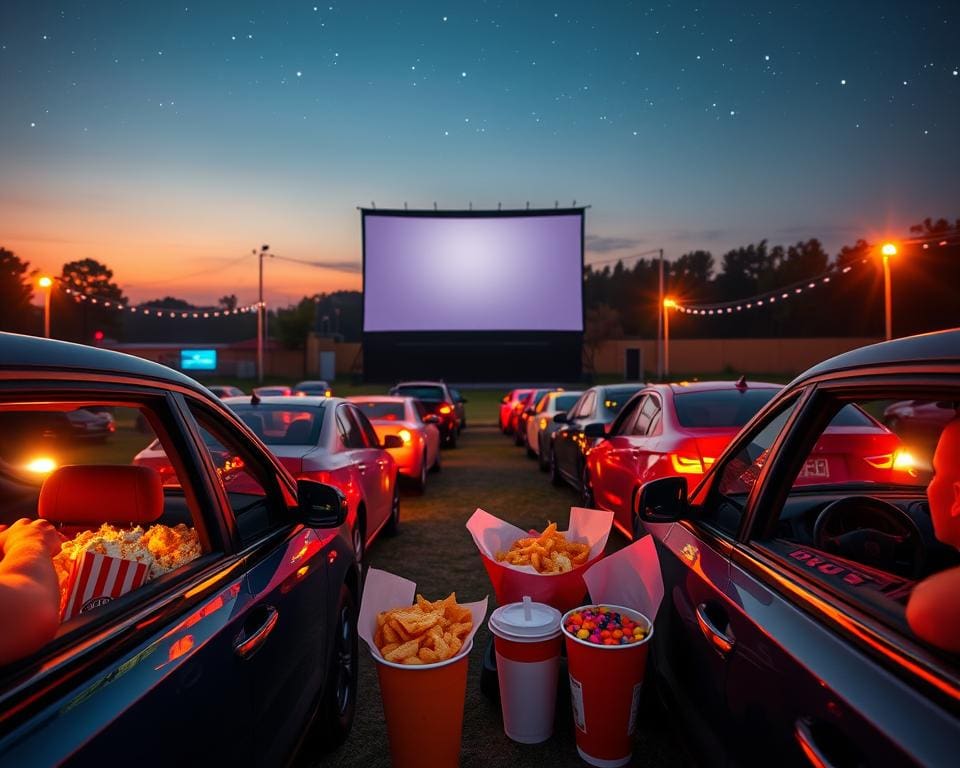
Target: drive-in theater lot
435,550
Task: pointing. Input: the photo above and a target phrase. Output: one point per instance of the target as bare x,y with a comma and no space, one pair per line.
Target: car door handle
245,646
803,733
722,643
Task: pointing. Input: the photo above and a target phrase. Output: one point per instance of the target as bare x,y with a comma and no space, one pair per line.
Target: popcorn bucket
528,644
605,683
512,583
422,704
96,580
423,707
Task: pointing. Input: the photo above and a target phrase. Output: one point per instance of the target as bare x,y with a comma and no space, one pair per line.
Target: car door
822,671
286,626
693,623
632,454
374,465
572,445
608,462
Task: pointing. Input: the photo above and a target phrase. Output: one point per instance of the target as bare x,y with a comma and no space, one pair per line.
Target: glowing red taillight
444,410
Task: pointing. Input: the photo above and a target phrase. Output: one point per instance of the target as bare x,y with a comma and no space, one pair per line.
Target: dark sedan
569,444
207,622
811,610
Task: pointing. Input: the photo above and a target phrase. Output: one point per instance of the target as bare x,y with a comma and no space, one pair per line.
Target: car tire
452,440
555,477
587,499
392,528
334,718
436,462
542,462
530,452
518,436
420,483
358,536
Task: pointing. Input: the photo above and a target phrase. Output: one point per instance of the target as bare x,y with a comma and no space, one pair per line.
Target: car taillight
684,464
543,423
901,461
320,476
405,436
444,409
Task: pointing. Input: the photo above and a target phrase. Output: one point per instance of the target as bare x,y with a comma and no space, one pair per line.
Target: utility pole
260,316
660,311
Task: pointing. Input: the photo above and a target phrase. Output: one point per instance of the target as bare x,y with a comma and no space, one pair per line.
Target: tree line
619,300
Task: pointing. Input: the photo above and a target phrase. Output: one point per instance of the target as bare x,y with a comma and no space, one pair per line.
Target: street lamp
668,304
260,315
46,283
887,250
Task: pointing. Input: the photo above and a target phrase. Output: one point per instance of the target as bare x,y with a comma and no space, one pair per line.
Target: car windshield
281,424
731,408
384,411
421,392
614,398
564,403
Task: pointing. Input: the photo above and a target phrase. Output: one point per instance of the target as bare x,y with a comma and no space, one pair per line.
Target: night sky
168,140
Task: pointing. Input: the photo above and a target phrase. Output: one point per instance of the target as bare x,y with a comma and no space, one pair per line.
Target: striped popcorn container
98,579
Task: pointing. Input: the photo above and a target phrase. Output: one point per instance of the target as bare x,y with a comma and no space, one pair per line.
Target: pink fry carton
98,579
511,583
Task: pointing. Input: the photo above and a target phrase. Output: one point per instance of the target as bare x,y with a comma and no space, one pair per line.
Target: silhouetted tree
228,302
169,302
77,320
16,312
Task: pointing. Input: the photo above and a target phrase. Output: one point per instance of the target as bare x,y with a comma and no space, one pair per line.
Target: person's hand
26,533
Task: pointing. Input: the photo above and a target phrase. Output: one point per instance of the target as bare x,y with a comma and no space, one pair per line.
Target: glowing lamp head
669,303
888,249
45,282
42,465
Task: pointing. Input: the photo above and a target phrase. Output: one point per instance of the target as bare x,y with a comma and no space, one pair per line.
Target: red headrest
93,494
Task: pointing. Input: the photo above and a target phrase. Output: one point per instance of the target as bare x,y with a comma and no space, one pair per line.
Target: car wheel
452,439
542,460
420,484
586,491
555,477
436,462
393,524
359,537
518,435
530,451
334,717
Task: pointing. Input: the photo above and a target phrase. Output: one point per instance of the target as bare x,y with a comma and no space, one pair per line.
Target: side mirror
529,411
431,418
663,500
393,441
506,399
595,430
560,418
320,505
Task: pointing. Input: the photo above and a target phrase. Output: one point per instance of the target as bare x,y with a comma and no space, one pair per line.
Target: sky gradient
169,140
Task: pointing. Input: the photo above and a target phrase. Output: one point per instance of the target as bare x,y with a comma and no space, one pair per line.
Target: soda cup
528,643
423,707
605,682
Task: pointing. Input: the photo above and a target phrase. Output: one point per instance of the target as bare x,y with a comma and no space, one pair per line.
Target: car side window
366,428
350,434
648,411
587,405
739,474
542,405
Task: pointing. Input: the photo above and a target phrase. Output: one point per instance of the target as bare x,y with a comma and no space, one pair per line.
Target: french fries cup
512,582
423,703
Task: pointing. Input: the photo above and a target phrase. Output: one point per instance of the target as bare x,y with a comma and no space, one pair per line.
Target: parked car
329,440
273,391
920,421
407,419
436,398
665,430
225,390
541,425
529,406
569,444
320,388
789,625
460,406
509,405
257,604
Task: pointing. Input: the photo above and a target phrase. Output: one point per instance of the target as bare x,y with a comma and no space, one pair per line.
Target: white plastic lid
526,620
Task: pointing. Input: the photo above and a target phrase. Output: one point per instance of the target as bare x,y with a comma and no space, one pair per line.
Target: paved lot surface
434,549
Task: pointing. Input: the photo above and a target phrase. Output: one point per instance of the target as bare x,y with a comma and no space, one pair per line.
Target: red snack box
98,579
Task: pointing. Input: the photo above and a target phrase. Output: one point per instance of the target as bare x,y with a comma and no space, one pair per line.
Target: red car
680,430
510,407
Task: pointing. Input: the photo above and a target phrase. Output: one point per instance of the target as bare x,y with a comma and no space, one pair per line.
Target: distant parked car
91,425
459,405
329,440
665,430
407,419
225,390
569,443
436,398
529,406
541,425
273,391
320,388
511,403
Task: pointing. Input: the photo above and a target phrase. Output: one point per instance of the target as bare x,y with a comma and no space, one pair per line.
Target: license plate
816,468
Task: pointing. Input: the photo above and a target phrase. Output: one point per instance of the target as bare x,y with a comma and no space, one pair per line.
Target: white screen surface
507,273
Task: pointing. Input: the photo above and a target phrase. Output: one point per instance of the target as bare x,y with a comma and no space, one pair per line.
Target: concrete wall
781,356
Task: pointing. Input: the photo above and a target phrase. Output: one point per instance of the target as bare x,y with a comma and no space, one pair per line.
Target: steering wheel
873,532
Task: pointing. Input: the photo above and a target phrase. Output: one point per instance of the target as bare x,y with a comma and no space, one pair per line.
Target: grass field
434,549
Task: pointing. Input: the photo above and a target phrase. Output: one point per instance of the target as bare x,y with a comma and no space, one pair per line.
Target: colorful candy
603,625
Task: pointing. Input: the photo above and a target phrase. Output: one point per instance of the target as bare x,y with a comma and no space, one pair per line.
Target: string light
79,296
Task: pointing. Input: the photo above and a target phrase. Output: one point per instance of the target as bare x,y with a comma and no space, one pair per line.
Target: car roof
291,400
311,382
683,387
27,353
378,399
928,348
420,384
